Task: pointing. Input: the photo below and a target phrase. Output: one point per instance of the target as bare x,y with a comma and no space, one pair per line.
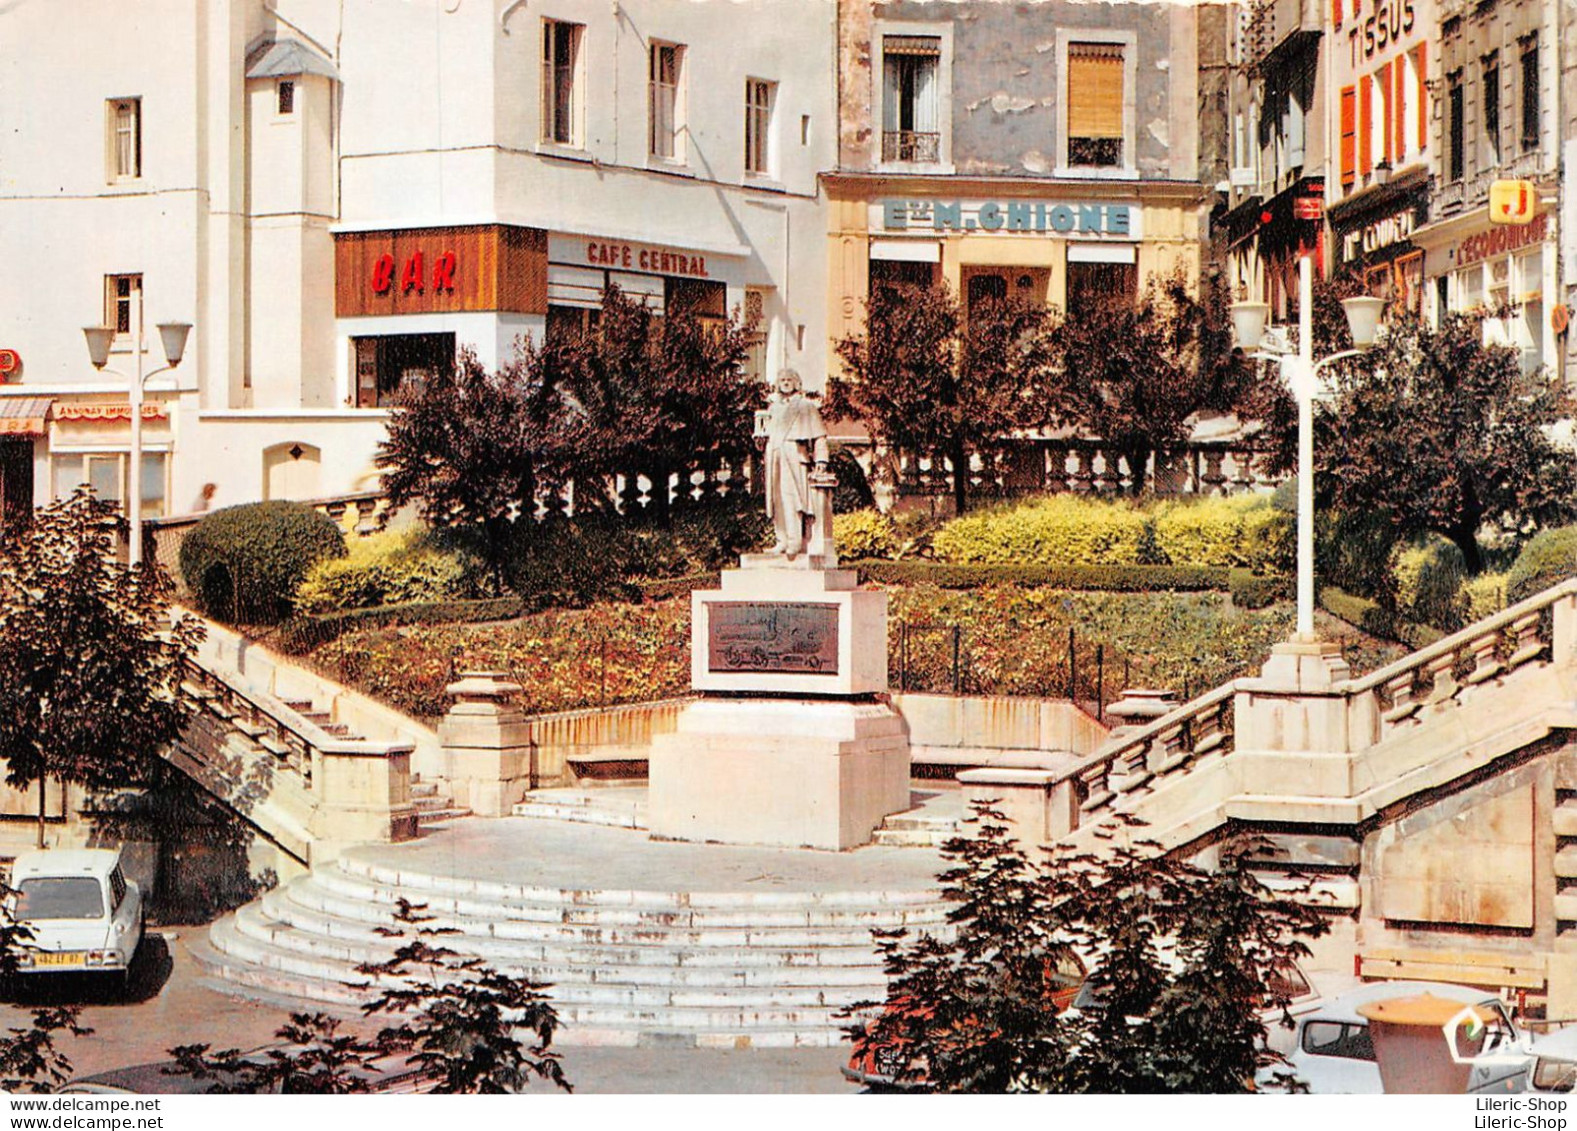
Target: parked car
84,915
1333,1052
1554,1069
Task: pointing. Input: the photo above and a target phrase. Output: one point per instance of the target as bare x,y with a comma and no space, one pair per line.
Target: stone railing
1173,744
309,790
1088,467
1456,667
1346,719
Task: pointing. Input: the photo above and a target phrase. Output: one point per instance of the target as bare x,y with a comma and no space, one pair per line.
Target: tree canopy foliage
1435,431
90,663
1138,375
933,380
456,1023
1184,966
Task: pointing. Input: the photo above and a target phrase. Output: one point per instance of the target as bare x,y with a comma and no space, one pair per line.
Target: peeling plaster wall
1006,87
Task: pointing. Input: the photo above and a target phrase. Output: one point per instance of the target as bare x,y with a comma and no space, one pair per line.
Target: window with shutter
1422,101
1095,104
1387,138
560,57
1365,123
911,98
1349,136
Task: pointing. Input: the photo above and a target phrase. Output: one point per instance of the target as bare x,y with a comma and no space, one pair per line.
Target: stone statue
798,483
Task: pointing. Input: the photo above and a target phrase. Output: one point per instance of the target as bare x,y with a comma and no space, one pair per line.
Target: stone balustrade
1299,738
309,790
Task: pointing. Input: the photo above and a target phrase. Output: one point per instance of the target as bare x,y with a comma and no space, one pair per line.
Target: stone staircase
614,807
626,967
433,805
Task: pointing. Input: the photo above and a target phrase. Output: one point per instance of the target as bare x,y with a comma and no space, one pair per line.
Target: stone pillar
486,744
364,796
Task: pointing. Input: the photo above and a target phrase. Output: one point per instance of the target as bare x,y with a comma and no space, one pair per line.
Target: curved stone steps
589,1015
354,943
571,909
410,881
286,952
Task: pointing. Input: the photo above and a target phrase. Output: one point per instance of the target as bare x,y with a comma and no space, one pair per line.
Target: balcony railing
907,145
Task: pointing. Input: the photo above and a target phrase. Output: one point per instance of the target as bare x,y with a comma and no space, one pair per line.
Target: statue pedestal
791,744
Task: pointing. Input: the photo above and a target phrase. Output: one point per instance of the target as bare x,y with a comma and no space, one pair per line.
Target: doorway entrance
16,481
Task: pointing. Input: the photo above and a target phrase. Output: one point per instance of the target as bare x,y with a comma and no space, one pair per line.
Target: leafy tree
1185,967
472,447
464,1015
1437,432
929,381
90,664
656,396
316,1059
1136,376
29,1060
457,1025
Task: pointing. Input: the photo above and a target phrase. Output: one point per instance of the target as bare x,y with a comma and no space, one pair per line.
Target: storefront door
16,481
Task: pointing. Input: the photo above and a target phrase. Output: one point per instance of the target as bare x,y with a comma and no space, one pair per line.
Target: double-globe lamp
100,338
1301,372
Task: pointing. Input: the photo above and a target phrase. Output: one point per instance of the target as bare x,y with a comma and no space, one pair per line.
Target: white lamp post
1301,373
173,335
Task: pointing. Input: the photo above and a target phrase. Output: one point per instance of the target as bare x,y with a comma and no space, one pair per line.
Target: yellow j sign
1512,202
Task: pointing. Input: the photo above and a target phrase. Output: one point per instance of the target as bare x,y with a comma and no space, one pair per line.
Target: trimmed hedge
663,588
1251,590
300,635
1110,578
1429,579
1060,530
393,567
865,534
1549,558
1362,613
243,564
1241,530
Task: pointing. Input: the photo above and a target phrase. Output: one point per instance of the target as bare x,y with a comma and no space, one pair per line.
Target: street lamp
173,335
1301,373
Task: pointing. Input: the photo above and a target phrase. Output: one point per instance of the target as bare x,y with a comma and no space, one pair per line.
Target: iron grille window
911,105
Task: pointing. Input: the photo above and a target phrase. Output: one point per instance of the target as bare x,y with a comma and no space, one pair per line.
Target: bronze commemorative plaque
772,636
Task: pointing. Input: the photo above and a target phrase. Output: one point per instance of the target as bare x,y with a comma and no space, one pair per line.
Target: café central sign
1034,217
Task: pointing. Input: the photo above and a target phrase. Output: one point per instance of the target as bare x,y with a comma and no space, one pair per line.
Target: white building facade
340,197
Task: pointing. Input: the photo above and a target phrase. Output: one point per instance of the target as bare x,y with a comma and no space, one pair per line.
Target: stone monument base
798,773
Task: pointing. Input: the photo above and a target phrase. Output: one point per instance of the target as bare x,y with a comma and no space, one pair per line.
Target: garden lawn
1012,641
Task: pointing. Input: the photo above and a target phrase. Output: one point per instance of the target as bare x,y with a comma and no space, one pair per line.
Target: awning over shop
24,416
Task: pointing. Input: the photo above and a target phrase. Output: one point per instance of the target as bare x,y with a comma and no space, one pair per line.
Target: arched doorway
292,470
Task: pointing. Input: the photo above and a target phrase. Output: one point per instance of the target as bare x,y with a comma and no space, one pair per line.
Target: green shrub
303,634
1373,618
1057,530
1215,531
1429,579
1483,596
1252,590
393,567
665,588
243,564
1549,557
1119,578
865,534
1352,551
712,535
853,492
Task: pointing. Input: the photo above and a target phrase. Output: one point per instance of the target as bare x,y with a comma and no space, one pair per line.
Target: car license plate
59,958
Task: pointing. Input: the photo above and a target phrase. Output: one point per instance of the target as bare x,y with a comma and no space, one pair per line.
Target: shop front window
1093,285
388,365
105,473
901,273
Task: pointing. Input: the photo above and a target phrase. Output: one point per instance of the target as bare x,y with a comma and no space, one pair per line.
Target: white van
1333,1053
83,914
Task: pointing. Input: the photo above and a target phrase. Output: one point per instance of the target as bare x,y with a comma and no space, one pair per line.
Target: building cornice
861,186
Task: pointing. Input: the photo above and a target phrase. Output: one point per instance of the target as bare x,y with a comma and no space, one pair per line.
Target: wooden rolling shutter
1423,100
1349,136
1365,124
1095,90
1386,120
1399,110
